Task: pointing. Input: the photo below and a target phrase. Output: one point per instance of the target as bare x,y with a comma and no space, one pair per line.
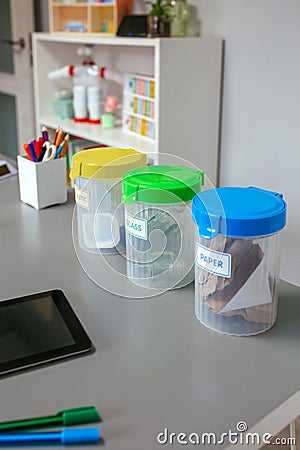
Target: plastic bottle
180,12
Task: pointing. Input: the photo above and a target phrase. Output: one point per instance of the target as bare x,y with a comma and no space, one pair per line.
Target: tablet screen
38,328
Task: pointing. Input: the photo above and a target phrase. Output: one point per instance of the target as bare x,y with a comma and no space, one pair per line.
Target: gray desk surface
155,366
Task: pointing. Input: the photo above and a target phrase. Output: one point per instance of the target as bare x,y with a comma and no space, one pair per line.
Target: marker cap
80,435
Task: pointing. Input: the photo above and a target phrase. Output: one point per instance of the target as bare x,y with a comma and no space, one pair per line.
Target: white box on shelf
139,105
42,184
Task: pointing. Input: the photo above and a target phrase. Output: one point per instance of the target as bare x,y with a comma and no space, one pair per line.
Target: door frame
20,83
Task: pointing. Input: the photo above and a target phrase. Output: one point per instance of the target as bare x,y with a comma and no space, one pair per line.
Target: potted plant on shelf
159,18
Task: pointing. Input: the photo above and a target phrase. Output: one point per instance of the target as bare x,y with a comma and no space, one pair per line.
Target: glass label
136,226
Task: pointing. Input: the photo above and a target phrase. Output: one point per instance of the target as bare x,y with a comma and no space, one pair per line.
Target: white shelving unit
187,74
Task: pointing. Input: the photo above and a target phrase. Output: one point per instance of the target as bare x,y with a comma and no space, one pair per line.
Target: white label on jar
82,197
136,226
214,262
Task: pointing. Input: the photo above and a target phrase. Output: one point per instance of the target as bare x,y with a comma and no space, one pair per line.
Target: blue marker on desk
64,437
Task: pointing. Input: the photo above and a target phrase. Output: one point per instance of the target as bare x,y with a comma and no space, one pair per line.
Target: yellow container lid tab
106,162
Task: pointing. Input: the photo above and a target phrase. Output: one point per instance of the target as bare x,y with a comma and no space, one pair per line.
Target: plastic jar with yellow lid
97,175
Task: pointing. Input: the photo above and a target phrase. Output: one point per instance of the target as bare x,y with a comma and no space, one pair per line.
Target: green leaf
160,8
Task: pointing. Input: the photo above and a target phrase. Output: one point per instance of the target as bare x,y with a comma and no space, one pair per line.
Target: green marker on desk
65,417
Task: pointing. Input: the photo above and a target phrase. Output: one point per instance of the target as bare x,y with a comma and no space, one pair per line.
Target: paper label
214,262
82,197
136,226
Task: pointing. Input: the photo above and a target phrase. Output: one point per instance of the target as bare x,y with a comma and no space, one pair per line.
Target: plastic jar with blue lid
237,258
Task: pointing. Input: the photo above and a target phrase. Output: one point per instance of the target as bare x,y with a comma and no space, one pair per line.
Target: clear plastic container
237,259
100,215
159,226
63,108
97,175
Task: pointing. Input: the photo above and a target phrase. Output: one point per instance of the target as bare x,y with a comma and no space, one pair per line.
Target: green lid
161,184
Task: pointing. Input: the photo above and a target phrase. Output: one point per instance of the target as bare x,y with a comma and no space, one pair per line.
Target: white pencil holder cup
42,184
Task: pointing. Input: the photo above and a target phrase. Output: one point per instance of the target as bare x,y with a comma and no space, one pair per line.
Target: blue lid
238,211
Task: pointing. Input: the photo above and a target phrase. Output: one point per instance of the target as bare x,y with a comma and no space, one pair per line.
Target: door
16,91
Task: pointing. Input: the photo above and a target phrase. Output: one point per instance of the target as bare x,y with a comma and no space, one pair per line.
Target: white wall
261,104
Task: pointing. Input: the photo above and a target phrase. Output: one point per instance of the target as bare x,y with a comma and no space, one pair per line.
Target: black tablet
38,329
133,26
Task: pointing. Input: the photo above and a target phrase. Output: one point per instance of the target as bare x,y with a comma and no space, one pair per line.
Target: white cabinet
187,73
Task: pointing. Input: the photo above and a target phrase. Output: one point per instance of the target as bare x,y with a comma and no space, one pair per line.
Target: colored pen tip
80,415
81,435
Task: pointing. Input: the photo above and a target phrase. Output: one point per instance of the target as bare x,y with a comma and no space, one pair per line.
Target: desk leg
293,434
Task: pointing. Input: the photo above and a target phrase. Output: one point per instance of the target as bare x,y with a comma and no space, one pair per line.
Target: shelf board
131,94
94,38
141,116
102,5
82,5
146,138
115,137
80,34
67,5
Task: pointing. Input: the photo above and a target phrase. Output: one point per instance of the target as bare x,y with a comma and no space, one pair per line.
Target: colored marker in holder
45,134
28,152
32,151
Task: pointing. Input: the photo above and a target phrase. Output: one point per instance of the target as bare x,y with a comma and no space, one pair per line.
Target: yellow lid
106,162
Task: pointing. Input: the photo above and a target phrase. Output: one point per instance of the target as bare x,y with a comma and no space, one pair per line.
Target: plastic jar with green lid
97,175
159,226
